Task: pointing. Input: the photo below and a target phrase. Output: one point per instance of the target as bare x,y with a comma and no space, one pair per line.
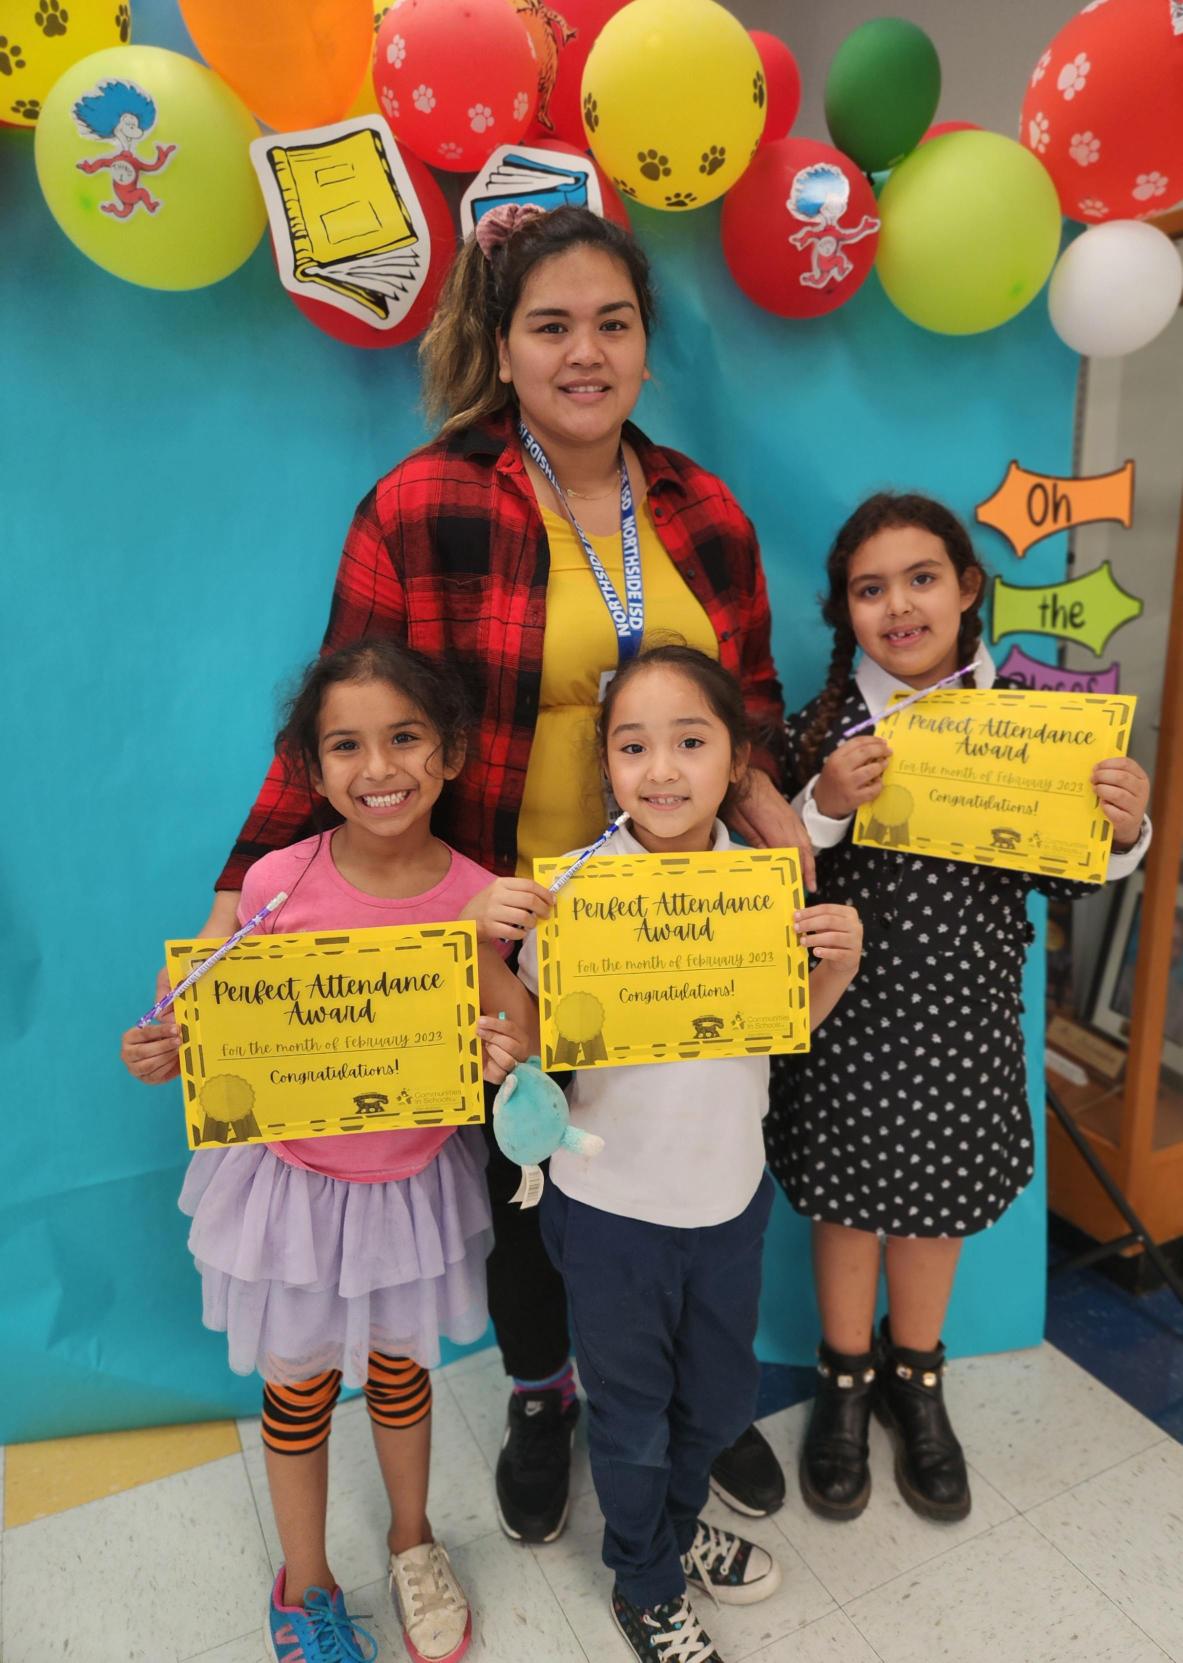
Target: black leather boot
910,1402
834,1476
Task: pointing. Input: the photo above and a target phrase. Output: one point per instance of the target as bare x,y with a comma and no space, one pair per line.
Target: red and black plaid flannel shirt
448,553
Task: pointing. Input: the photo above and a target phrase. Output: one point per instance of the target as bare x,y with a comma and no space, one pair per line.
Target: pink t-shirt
319,898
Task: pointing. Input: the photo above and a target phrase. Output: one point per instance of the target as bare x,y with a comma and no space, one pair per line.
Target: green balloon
970,232
882,92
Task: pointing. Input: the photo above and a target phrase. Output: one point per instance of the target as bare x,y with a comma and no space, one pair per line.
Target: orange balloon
293,65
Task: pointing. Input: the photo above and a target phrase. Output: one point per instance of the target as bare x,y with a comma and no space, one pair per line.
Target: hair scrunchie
495,228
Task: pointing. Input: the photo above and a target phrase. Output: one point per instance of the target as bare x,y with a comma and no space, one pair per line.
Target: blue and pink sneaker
319,1631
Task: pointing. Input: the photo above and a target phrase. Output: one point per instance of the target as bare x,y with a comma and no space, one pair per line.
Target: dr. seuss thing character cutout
123,115
820,195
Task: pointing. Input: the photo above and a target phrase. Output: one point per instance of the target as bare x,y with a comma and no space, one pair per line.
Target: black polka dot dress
910,1113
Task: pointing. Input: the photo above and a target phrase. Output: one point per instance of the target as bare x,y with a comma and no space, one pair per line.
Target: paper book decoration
346,222
1087,609
516,173
1027,507
1052,678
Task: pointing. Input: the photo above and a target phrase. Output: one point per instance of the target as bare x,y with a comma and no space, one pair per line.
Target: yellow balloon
366,102
673,101
142,156
42,38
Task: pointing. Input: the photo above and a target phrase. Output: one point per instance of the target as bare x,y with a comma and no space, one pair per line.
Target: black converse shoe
748,1476
666,1633
929,1461
728,1568
534,1468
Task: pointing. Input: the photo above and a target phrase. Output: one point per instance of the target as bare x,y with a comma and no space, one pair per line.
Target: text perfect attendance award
1000,777
322,1033
660,958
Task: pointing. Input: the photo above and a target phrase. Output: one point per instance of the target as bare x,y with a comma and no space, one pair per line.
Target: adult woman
471,547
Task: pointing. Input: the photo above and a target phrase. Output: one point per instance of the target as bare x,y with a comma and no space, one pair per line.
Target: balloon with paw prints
658,143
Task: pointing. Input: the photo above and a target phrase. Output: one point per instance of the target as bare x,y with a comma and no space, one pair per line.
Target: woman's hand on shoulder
833,934
851,775
1123,790
766,820
508,909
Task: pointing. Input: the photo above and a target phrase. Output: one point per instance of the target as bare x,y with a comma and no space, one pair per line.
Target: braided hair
882,512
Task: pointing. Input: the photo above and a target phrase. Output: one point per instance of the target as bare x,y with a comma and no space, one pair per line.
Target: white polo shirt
683,1141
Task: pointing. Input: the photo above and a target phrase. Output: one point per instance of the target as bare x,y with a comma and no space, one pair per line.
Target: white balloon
1115,288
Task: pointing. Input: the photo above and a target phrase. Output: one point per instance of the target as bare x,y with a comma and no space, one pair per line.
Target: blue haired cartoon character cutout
820,195
121,114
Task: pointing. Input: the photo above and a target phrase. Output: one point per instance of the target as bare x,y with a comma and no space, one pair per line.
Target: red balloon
455,78
1104,111
614,208
782,80
562,33
342,326
940,127
800,228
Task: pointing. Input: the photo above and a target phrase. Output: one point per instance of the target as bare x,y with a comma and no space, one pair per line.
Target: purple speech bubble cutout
1049,678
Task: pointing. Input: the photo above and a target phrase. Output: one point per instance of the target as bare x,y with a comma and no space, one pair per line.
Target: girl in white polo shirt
659,1238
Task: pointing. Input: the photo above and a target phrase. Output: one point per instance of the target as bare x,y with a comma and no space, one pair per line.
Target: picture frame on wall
1111,1006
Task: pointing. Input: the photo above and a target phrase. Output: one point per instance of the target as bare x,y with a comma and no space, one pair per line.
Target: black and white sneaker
667,1633
730,1569
534,1467
748,1476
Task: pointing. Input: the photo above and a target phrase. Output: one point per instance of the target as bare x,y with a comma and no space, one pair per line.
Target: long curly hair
884,511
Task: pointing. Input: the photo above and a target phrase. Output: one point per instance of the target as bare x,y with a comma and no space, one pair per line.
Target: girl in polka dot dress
907,1127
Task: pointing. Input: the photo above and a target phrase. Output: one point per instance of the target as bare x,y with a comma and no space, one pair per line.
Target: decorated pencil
195,975
893,710
565,877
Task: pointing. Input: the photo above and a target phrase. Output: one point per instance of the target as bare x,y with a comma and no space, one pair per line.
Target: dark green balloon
882,92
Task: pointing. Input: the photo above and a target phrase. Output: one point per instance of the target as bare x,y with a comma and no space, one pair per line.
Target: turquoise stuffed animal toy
530,1121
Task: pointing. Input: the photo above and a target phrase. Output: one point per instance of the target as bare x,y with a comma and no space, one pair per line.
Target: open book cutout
345,220
516,173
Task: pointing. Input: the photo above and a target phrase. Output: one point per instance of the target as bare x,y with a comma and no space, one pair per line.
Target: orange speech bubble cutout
1027,507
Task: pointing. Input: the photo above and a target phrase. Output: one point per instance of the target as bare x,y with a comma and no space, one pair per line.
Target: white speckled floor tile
483,1395
248,1648
853,1557
1006,1597
460,1502
157,1573
1124,1530
832,1639
1033,1423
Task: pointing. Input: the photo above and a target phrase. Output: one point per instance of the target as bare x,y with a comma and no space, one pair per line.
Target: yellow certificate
658,958
312,1035
1000,777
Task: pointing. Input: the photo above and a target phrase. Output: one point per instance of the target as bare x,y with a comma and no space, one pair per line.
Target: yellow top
563,803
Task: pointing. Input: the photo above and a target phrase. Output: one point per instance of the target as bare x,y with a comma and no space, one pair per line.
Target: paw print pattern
1040,70
624,186
653,165
1073,76
1150,184
1092,208
759,91
452,152
123,23
521,104
1085,148
10,56
681,199
1038,132
480,118
423,99
27,109
396,51
713,159
591,113
390,104
51,18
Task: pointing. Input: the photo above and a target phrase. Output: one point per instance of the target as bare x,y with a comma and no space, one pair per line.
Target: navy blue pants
663,1321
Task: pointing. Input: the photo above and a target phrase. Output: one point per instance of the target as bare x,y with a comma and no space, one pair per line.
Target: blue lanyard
628,616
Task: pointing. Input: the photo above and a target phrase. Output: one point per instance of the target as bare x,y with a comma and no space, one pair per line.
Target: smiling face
379,763
575,348
128,130
669,760
906,602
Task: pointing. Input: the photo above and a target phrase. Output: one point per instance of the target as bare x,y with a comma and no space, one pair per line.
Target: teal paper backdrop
178,472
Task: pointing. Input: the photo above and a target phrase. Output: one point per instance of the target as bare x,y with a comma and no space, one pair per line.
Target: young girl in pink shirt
343,1259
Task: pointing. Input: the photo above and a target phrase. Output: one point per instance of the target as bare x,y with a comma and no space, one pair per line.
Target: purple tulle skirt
305,1273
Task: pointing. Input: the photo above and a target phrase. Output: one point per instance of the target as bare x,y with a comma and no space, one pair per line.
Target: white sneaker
732,1570
437,1624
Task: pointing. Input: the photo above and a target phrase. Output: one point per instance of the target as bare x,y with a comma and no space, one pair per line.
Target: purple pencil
861,727
195,975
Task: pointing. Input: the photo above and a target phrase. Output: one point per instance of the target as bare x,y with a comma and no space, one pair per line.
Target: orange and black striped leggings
296,1418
